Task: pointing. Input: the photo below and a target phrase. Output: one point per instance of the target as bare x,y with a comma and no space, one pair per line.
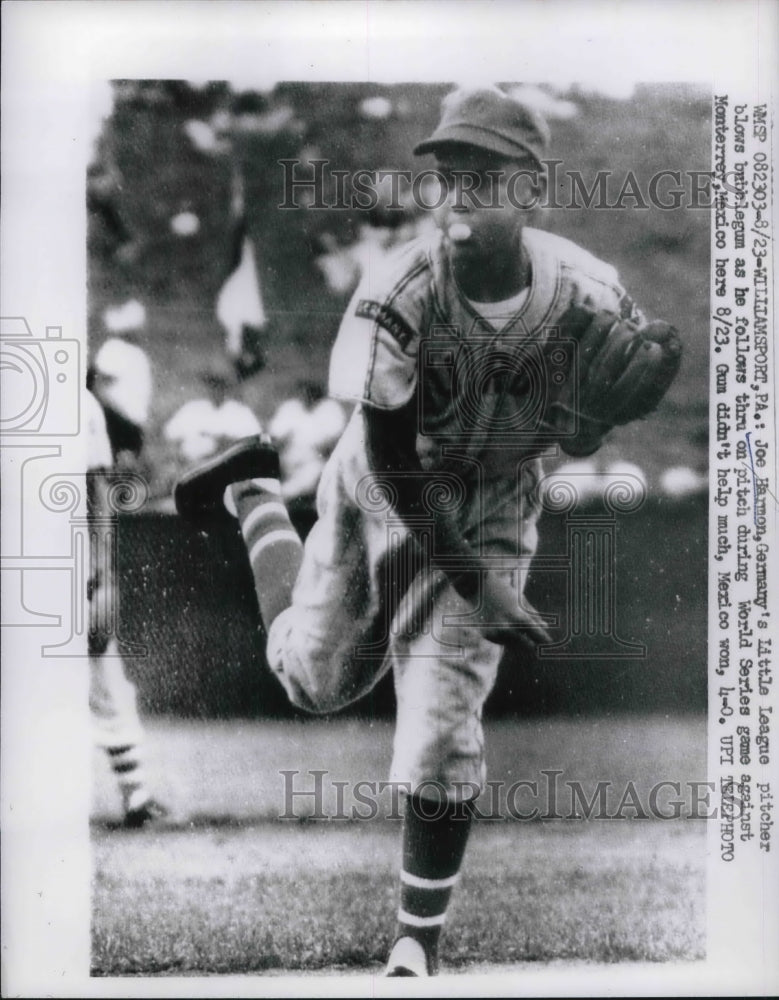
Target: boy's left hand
623,372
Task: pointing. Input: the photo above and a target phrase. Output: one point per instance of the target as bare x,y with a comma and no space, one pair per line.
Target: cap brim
471,135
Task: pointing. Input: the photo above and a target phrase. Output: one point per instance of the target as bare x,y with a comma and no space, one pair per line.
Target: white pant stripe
281,534
414,921
428,883
260,512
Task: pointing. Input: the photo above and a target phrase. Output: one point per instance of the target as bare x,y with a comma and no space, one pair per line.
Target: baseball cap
488,118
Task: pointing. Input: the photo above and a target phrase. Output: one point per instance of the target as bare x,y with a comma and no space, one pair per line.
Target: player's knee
309,694
447,764
313,671
312,680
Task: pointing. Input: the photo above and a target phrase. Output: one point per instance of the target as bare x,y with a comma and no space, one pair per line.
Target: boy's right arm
391,447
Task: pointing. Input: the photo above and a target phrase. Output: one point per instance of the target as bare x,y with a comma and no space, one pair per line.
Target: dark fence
188,598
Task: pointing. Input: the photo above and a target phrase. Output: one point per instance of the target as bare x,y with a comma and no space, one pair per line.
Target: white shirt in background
200,427
125,379
99,455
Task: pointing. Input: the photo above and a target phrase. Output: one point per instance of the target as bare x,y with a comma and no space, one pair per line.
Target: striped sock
274,547
433,850
127,765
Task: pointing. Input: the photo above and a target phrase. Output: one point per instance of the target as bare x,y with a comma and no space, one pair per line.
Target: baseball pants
344,629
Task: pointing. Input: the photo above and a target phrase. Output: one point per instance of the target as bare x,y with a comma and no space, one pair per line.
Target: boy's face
489,197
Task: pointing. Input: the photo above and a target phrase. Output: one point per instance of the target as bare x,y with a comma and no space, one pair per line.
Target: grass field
228,887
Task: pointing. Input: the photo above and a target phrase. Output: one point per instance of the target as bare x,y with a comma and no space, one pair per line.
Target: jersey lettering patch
386,317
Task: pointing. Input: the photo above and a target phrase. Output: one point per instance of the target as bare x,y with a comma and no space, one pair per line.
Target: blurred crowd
215,125
306,425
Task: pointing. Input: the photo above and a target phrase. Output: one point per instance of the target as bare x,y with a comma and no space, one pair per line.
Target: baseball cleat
150,812
199,493
407,958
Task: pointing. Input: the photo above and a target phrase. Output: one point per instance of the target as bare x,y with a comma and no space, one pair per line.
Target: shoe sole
152,815
198,494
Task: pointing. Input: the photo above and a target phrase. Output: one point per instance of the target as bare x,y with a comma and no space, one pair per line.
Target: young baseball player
457,359
112,696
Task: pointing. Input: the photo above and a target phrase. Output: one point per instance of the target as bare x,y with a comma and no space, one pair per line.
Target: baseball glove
622,374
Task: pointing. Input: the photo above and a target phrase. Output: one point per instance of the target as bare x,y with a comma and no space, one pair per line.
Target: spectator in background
112,695
305,428
104,196
203,426
382,230
121,380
